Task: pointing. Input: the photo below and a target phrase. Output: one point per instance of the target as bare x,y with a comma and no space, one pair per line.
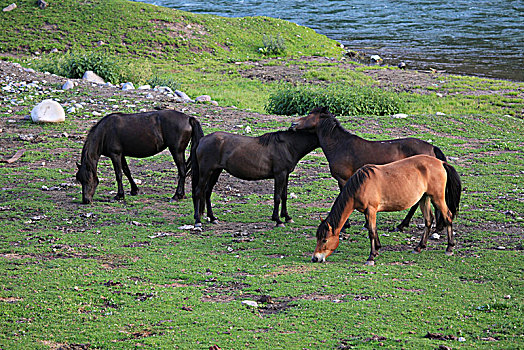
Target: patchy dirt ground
16,129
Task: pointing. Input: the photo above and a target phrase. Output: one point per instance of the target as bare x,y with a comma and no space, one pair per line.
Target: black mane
270,137
349,190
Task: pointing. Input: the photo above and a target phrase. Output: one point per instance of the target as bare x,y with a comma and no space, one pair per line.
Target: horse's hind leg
116,159
425,207
283,209
277,195
440,204
127,173
180,162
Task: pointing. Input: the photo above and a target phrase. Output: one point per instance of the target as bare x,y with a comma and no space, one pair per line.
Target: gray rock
42,4
399,116
128,86
68,85
164,89
203,98
376,59
251,303
144,87
402,65
93,77
48,111
183,96
214,103
435,236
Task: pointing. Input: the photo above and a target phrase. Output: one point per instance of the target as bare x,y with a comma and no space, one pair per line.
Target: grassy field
120,275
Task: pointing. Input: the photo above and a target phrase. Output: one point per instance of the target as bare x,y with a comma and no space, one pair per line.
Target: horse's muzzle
316,259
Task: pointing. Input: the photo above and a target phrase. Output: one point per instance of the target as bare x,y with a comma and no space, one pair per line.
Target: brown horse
393,187
137,135
347,152
270,156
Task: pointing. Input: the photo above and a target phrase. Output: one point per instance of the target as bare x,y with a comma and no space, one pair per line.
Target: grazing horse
270,156
395,186
347,152
137,135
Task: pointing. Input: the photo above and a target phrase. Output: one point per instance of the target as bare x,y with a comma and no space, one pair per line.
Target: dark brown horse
395,186
137,135
347,152
270,156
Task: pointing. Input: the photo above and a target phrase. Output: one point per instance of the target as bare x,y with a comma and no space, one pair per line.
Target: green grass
120,275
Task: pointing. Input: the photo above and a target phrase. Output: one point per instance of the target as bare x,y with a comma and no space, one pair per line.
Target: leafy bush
163,81
110,68
273,45
340,99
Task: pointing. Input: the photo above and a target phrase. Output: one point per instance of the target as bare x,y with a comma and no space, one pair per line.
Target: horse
270,156
394,186
137,135
347,152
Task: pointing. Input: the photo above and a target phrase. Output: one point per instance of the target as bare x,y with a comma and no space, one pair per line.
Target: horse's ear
320,217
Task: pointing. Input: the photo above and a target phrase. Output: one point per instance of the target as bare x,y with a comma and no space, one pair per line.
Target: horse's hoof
176,198
134,193
290,221
280,225
449,253
369,263
118,198
198,225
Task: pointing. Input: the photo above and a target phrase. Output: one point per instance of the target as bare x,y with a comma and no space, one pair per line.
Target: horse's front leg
371,220
283,209
127,173
279,186
116,159
180,162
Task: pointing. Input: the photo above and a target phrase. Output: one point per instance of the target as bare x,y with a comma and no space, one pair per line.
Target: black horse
270,156
137,135
347,152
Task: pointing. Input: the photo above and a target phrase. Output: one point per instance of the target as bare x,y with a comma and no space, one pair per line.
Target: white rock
68,85
461,339
248,129
93,77
144,87
78,106
186,227
48,111
150,96
9,8
164,89
293,195
96,114
71,109
375,58
29,70
399,116
203,98
440,114
250,303
183,96
435,236
128,86
214,103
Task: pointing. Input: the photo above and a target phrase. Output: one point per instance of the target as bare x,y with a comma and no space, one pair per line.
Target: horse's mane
270,137
349,190
328,125
88,147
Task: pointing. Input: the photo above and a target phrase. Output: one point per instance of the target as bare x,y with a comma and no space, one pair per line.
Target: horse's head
87,177
327,242
312,120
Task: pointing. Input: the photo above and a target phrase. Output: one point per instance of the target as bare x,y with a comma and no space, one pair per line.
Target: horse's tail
196,134
439,154
453,189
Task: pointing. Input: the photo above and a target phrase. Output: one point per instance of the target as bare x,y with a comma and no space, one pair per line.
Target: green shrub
163,81
273,45
340,99
110,68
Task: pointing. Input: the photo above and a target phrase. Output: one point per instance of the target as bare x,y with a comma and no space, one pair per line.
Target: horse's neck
338,219
91,152
331,141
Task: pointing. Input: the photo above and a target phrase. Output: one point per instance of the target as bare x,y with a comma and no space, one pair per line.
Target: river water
473,37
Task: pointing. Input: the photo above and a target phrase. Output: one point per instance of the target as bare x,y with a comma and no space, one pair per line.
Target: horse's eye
324,241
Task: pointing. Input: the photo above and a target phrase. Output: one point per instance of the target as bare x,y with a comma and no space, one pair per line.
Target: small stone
376,59
439,94
42,4
29,70
440,114
9,8
78,106
507,296
128,86
214,103
399,116
402,65
164,89
251,303
96,114
501,248
150,96
247,129
93,77
71,109
461,339
293,195
183,96
144,87
435,236
68,85
203,98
